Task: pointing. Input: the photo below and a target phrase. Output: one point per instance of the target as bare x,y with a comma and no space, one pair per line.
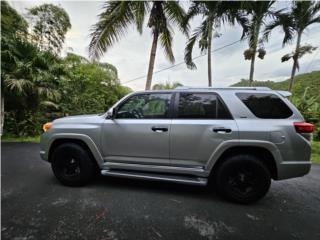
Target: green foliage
299,53
50,24
309,107
305,94
81,87
13,138
117,16
294,23
89,87
213,14
315,154
166,86
302,81
300,16
259,11
37,86
11,22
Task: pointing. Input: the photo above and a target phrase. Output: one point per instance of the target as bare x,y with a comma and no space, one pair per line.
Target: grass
315,155
35,139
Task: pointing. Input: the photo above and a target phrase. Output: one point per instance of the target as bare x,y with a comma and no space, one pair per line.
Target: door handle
222,130
159,129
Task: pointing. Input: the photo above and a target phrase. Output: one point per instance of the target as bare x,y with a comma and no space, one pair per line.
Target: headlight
46,126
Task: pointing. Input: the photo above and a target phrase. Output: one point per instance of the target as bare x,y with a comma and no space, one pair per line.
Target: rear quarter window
265,105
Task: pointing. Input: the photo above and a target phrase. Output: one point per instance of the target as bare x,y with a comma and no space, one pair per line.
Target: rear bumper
292,169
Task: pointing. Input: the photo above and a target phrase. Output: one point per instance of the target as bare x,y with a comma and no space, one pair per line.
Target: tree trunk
253,59
295,62
254,46
2,114
152,59
209,60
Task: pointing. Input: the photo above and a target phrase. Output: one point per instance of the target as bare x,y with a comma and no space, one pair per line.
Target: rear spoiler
285,94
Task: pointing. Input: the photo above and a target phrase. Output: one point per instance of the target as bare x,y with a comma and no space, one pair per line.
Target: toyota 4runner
237,138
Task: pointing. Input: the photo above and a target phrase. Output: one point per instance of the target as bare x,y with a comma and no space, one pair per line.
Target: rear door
201,123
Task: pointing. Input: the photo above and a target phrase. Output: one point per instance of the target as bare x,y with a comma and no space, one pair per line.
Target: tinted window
145,106
264,105
201,106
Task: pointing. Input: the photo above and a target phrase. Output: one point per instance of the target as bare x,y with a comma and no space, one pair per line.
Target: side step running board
157,177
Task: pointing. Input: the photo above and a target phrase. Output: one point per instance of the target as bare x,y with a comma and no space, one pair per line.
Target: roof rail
224,88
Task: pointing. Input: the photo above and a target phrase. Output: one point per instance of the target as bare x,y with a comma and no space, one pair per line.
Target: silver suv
237,138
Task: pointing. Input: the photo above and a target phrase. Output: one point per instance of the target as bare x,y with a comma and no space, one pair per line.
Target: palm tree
166,86
301,16
29,77
13,28
214,14
259,11
117,16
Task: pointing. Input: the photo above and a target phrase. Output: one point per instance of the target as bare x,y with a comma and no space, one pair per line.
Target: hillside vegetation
306,95
302,81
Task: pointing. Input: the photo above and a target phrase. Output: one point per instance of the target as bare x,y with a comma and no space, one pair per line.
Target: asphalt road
36,206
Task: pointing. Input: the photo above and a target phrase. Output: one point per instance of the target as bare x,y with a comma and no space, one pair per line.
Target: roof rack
225,88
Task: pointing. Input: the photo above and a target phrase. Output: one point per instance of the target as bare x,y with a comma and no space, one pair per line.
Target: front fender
46,143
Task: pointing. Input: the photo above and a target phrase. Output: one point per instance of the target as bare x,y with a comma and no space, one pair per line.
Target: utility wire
180,63
199,56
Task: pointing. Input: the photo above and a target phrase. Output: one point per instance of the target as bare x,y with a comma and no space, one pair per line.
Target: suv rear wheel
243,178
72,165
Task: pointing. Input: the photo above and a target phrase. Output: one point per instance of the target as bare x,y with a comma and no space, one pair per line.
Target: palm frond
176,15
49,93
315,9
189,48
49,104
206,32
19,85
192,12
112,25
285,21
139,12
314,20
166,42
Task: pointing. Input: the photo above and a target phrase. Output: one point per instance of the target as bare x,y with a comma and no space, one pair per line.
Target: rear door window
265,105
201,106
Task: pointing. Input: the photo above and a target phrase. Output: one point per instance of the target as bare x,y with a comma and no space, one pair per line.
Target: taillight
302,127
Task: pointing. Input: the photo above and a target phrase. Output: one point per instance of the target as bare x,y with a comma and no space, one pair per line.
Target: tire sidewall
233,162
85,163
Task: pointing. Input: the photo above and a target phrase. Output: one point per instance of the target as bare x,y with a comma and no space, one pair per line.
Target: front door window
145,106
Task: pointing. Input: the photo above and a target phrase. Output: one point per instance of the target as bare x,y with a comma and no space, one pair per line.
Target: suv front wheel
72,164
243,178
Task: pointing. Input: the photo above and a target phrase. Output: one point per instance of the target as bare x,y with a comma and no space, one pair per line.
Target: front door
140,131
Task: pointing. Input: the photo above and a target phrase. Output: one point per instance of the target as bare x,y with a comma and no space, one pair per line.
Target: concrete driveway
36,206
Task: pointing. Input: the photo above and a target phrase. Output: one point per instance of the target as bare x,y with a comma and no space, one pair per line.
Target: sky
131,54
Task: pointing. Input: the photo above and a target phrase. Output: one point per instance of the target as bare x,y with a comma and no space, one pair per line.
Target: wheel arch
266,156
82,140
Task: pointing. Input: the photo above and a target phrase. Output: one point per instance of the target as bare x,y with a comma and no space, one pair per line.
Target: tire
242,178
72,165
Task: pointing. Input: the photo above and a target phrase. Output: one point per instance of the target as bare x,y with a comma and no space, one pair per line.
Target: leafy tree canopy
49,23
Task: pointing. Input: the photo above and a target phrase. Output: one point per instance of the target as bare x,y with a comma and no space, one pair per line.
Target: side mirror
111,114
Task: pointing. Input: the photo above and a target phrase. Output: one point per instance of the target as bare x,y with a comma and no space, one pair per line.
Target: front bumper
44,147
292,169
